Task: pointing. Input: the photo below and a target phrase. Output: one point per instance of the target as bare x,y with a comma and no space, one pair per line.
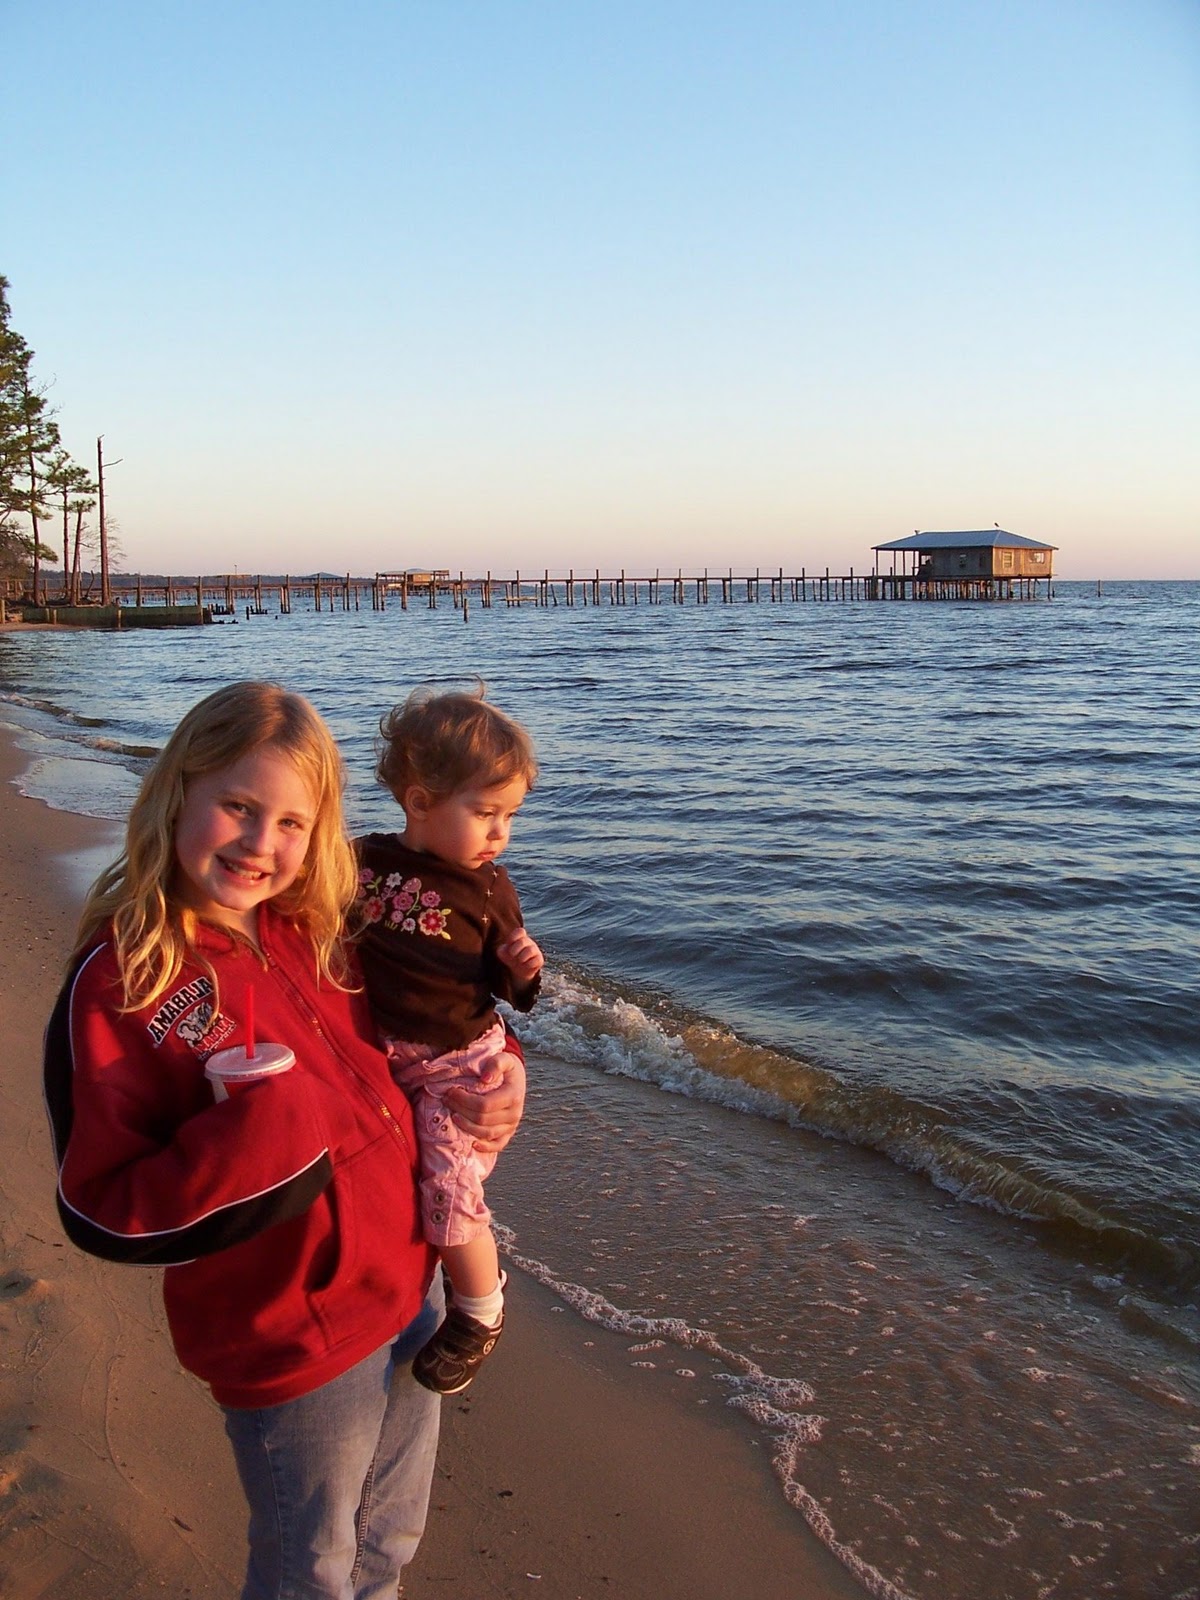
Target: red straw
249,1024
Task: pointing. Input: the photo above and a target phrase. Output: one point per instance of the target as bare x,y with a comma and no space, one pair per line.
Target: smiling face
242,836
469,827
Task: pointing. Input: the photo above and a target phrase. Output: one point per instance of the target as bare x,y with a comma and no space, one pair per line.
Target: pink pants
453,1210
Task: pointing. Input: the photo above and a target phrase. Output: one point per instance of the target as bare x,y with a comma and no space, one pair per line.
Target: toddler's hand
522,957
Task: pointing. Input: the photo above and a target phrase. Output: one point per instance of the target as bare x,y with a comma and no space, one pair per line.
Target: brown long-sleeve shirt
429,935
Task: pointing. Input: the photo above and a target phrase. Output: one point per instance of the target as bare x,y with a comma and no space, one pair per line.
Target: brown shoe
455,1353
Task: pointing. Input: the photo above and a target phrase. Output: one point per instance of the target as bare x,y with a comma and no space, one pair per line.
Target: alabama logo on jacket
190,1013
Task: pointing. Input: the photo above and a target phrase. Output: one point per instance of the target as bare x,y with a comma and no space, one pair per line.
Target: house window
1006,560
1039,557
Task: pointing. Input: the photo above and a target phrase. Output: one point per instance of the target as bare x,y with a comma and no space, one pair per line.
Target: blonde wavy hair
153,932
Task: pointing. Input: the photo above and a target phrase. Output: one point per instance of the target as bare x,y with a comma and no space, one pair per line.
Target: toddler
441,941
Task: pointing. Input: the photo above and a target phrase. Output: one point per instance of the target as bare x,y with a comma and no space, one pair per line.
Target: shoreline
565,1472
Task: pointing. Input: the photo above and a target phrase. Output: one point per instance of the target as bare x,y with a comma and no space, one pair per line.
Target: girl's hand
522,957
492,1117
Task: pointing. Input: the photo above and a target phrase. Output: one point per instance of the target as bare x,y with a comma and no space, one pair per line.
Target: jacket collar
211,936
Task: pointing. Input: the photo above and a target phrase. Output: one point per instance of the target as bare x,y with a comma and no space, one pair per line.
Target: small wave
109,743
1166,1323
694,1058
985,1180
88,788
620,1038
143,752
51,708
854,666
988,667
777,1405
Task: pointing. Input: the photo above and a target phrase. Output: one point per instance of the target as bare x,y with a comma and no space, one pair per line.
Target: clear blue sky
638,283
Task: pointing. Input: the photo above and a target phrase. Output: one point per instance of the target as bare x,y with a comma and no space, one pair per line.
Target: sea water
866,1094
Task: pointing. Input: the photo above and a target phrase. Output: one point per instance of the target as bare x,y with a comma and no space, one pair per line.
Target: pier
205,598
972,565
621,589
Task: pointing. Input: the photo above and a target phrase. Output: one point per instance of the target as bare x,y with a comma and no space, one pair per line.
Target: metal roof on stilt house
980,553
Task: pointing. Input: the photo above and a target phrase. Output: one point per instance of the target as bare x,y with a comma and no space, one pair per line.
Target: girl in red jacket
284,1211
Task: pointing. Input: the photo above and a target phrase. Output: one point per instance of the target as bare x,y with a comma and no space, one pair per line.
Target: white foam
617,1036
86,788
778,1405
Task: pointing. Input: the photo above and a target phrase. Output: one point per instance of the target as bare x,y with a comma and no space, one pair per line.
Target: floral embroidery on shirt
401,904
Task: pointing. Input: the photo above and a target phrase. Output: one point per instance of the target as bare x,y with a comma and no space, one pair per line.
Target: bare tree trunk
33,517
75,558
104,593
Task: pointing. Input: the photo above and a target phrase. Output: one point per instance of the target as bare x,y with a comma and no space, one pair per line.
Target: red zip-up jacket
286,1216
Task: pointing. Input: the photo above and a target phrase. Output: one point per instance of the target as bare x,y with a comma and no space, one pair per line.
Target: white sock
485,1308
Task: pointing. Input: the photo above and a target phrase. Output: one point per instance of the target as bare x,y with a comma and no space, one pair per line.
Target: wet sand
564,1473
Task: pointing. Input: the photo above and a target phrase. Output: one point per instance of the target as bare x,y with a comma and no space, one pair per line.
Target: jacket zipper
365,1091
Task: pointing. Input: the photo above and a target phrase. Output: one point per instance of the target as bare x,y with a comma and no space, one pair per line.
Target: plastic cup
230,1069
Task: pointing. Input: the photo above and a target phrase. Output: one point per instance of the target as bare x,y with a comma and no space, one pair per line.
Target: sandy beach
567,1472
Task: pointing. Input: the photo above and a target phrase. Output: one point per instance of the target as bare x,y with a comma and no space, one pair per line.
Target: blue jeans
338,1481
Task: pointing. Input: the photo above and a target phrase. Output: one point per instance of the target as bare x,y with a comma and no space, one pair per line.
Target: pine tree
28,443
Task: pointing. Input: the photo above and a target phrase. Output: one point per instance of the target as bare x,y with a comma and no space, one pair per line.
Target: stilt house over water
985,553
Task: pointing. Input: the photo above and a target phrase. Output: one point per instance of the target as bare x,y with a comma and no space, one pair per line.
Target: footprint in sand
20,1286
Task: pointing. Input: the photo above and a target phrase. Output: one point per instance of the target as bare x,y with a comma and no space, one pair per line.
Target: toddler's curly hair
446,741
